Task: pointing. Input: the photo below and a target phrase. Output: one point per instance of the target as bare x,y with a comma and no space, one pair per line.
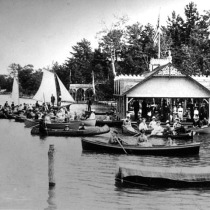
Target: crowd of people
193,112
46,111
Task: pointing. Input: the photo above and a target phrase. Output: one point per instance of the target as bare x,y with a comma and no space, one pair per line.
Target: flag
157,32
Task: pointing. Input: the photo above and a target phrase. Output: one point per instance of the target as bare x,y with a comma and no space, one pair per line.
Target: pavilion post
209,110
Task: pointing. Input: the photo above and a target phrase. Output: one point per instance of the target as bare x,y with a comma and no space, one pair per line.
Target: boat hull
90,131
163,178
180,150
205,130
110,123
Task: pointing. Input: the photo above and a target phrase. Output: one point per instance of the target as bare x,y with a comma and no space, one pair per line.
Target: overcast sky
40,32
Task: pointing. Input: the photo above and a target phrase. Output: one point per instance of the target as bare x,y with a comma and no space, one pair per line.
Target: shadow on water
51,199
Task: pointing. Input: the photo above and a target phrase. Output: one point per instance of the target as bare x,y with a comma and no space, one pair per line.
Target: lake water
83,180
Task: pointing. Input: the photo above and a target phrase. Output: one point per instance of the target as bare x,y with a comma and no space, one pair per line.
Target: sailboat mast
159,45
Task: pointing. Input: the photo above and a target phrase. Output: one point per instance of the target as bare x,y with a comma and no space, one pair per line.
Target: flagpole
159,45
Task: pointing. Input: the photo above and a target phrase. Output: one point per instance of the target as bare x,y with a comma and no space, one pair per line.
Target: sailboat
48,88
15,90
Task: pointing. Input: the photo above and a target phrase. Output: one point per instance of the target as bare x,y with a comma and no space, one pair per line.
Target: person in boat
47,119
177,127
37,104
83,115
153,123
114,139
92,115
127,121
143,125
168,130
158,129
142,139
12,106
204,123
107,117
196,121
60,116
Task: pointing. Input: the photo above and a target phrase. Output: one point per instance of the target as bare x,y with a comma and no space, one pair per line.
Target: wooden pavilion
164,82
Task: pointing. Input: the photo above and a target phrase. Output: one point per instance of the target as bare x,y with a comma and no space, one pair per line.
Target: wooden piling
51,154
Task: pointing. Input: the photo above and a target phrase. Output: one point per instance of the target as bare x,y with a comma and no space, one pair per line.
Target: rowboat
89,131
99,145
162,177
74,124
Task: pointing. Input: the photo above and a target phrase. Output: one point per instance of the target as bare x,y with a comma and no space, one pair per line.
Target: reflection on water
83,180
51,199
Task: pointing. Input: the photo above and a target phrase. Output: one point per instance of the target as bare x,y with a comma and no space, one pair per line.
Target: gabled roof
167,81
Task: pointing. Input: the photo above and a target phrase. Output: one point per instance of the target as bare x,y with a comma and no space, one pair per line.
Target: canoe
100,113
162,177
110,123
99,145
20,118
89,131
132,131
74,124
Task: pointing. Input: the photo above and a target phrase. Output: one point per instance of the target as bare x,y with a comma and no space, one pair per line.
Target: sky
41,32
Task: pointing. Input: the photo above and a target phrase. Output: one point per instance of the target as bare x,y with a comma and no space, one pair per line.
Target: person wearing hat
143,125
158,129
152,124
142,139
177,127
114,139
167,130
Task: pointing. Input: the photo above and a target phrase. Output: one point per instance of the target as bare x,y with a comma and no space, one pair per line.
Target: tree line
127,49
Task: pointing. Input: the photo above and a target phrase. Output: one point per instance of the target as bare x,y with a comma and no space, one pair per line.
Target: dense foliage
127,49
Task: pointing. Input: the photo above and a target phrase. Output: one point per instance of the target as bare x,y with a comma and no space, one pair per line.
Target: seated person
158,129
142,140
92,115
143,125
127,121
107,117
47,119
152,124
177,127
168,130
114,139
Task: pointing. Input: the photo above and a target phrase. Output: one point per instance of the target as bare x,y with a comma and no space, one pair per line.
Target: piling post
51,154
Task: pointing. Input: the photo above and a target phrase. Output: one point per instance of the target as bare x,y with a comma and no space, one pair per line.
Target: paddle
121,146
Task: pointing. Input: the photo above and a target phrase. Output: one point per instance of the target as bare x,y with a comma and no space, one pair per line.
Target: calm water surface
83,180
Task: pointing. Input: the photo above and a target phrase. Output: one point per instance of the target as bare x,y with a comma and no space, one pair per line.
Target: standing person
136,108
89,103
53,100
144,109
180,112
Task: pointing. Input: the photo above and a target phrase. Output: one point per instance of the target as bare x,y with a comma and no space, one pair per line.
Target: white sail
47,88
65,95
15,91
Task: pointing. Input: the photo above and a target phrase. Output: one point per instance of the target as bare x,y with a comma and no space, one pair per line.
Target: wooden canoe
89,131
99,145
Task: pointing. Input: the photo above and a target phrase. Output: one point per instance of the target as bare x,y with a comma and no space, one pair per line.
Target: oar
121,146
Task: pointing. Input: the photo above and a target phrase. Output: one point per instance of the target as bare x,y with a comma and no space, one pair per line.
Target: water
83,180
